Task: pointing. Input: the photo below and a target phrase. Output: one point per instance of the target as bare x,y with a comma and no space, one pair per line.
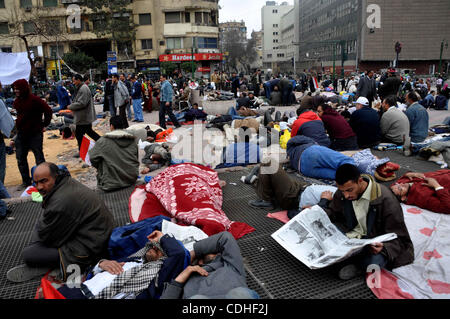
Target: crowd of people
358,112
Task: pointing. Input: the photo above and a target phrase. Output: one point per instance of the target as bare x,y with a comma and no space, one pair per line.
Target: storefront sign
188,57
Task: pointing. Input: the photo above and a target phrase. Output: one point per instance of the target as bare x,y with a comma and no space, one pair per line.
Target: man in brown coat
362,208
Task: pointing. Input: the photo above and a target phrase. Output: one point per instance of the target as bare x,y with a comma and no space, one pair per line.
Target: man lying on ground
139,276
74,228
219,273
429,191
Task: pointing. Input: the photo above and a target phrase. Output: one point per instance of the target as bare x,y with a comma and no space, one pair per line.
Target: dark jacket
226,271
390,87
116,158
136,90
63,97
367,88
309,124
30,109
385,216
366,125
336,125
77,222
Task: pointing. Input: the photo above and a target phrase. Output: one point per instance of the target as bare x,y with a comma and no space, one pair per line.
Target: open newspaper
188,235
314,240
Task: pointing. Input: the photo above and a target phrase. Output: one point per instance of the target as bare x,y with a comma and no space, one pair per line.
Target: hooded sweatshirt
30,109
116,158
309,124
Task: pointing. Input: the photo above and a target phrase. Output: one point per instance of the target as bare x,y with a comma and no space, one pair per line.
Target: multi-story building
166,30
361,34
271,16
237,28
258,63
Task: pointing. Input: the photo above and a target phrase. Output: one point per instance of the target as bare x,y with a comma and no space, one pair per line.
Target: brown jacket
385,216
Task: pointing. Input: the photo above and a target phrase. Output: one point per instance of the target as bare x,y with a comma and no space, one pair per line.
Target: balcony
171,5
183,29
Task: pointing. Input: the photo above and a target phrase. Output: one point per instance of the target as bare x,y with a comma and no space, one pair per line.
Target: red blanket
189,193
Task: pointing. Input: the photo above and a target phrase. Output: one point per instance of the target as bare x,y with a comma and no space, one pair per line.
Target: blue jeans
137,107
3,194
267,90
232,111
236,293
112,108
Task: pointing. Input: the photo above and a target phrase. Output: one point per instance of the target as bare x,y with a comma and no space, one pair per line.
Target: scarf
137,279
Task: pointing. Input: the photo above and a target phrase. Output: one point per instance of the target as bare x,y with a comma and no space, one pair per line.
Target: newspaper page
314,240
188,235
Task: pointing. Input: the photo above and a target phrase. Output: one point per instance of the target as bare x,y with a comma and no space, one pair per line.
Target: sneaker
259,203
349,272
23,273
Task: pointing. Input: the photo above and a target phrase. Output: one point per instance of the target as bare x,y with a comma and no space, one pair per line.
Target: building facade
273,52
163,27
358,35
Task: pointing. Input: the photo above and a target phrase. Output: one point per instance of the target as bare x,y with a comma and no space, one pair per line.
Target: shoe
77,155
259,203
349,272
23,273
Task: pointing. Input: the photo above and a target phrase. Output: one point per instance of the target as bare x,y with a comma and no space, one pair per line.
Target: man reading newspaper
362,208
362,225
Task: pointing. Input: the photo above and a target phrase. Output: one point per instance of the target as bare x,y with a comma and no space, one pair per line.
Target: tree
188,66
113,19
241,52
29,25
82,61
168,67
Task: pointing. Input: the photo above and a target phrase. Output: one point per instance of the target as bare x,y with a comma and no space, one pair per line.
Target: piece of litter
233,184
11,218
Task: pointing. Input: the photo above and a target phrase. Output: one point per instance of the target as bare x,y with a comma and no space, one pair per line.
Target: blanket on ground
429,276
189,193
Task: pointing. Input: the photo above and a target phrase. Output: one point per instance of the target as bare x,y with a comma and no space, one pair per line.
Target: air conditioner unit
162,43
147,52
28,9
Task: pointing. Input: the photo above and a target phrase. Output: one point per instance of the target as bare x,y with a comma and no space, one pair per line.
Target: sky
247,10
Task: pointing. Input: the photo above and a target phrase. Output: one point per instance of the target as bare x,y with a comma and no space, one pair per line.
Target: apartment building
166,30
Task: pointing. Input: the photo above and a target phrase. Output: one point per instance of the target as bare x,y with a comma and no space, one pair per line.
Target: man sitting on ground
219,273
394,123
362,208
429,191
365,122
116,157
310,124
341,134
139,276
418,118
74,228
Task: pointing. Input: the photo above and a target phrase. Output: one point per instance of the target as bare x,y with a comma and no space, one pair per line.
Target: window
206,18
147,44
2,4
6,49
187,17
274,11
207,43
50,3
198,17
145,19
56,50
4,29
173,17
28,27
269,56
275,33
53,27
275,25
174,43
26,4
275,41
